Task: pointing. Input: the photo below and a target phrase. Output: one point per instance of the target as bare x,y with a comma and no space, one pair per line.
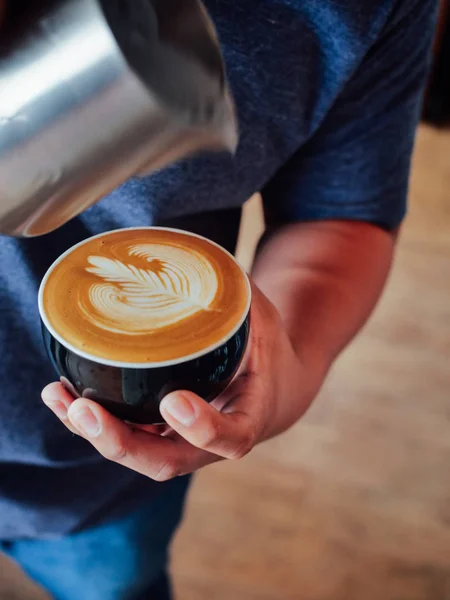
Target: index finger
160,458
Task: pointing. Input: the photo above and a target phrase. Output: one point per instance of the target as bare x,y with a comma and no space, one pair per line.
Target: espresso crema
145,296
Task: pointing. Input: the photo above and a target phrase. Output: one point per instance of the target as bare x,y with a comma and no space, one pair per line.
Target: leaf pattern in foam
133,300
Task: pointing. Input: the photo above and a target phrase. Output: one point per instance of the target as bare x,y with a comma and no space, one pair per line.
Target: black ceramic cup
133,391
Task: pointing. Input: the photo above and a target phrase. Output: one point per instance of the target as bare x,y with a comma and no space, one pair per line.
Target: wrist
296,382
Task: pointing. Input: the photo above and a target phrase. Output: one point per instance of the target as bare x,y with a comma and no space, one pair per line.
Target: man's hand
324,280
270,394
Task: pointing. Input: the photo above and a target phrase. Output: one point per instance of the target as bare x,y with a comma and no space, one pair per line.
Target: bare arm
325,279
320,281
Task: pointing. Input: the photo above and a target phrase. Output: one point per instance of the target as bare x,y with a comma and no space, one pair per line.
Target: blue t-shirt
328,95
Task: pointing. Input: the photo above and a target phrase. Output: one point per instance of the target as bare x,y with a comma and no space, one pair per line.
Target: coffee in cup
131,315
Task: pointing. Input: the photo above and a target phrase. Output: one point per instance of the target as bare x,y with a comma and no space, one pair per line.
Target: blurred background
354,502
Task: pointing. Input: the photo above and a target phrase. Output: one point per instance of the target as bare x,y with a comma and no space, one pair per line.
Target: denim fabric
121,560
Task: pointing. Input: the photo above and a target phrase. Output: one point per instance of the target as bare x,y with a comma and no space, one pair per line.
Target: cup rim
141,365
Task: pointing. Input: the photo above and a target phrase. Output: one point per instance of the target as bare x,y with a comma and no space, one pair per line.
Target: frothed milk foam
145,296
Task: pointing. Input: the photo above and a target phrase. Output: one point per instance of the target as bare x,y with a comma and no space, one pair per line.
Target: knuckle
169,470
259,344
245,447
116,453
210,435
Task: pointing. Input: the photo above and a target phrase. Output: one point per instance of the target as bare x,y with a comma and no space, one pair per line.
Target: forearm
325,279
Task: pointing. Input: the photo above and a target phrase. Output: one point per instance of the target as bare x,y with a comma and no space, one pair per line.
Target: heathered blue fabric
328,95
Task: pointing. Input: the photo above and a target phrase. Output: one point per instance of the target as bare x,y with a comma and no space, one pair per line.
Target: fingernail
180,409
59,409
85,420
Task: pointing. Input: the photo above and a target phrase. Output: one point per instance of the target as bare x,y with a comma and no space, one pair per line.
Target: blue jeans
122,560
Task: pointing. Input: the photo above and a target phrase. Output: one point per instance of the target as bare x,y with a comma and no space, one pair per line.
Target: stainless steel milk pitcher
93,92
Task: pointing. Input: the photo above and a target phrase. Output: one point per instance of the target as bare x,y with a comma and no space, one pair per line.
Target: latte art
133,301
144,296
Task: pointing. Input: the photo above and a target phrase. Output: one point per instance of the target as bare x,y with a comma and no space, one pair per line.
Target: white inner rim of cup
139,365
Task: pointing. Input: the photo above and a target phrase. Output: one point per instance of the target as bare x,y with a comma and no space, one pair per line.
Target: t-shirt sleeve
356,166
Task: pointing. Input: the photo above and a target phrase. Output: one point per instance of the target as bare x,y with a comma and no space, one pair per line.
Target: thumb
231,434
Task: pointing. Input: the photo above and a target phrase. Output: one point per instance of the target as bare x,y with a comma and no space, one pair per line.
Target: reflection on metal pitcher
93,92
